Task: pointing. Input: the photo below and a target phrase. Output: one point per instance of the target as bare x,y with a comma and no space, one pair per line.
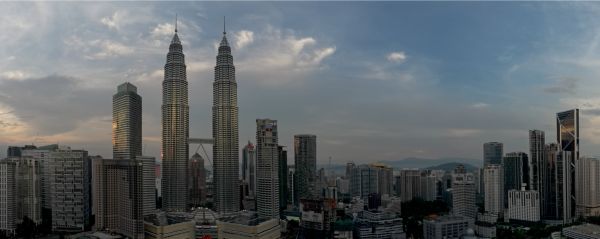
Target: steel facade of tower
536,159
305,161
127,122
225,132
175,130
267,169
567,135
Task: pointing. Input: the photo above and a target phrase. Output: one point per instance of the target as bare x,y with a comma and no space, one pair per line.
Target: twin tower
175,131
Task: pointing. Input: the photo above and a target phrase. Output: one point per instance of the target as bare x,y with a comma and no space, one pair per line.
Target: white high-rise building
463,194
494,188
588,186
8,197
70,180
523,205
267,169
225,132
175,130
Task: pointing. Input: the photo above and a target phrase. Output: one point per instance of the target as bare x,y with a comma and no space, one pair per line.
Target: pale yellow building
158,226
246,225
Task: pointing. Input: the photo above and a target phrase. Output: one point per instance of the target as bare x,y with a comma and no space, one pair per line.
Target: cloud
563,85
480,105
115,21
163,29
14,75
397,57
97,49
243,38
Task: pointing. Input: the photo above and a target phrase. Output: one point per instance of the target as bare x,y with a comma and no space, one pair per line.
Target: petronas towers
225,132
175,131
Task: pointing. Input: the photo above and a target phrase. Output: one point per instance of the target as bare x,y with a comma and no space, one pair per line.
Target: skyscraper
29,201
123,194
567,135
492,153
70,189
588,187
127,122
197,177
8,196
463,194
305,161
249,168
225,132
267,169
536,159
550,200
516,172
175,130
283,174
494,188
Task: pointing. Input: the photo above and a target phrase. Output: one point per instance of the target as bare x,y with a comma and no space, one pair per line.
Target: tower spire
224,32
175,22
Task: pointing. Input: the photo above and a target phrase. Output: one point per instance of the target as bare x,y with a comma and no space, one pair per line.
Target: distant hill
441,163
451,166
426,163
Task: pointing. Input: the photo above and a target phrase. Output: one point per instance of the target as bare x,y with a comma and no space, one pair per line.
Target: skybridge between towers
201,142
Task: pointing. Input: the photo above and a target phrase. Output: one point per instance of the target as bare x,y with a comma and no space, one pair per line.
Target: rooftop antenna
175,22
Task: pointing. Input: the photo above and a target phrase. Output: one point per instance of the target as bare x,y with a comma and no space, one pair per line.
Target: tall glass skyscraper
225,132
127,122
536,159
305,161
567,135
175,130
516,171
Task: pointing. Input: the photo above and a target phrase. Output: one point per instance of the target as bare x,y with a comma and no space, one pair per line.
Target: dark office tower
567,135
551,208
349,167
225,132
249,169
492,153
175,130
127,122
536,158
305,161
13,151
516,172
267,169
197,180
283,174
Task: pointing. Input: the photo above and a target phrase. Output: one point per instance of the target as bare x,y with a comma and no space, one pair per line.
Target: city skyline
398,81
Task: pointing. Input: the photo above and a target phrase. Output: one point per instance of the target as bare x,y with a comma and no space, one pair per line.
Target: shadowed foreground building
123,194
197,177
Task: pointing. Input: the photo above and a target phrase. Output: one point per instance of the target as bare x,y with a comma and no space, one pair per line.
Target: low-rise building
161,226
523,205
247,225
378,224
585,231
446,227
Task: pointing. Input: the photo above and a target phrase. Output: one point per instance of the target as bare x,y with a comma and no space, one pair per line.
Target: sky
373,80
